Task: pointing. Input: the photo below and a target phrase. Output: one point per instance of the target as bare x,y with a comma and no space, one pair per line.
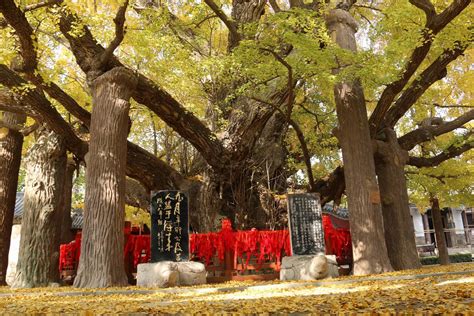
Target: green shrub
458,257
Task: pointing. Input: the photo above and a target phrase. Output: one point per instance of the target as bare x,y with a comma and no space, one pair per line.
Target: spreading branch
119,21
427,133
427,7
230,24
41,104
291,82
436,71
17,19
25,130
8,103
369,7
13,127
440,178
25,35
301,139
432,27
185,123
31,7
451,152
152,172
453,106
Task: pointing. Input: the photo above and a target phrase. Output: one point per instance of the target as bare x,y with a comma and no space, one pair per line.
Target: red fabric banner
264,245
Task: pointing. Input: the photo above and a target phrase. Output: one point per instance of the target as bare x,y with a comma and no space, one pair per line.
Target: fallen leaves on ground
448,293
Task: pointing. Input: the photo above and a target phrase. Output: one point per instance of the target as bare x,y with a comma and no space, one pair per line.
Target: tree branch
433,27
40,104
434,72
368,7
153,173
231,25
9,104
147,93
25,34
453,106
451,152
426,6
42,4
12,127
31,7
291,83
426,133
301,139
17,19
440,178
274,6
119,21
69,103
25,130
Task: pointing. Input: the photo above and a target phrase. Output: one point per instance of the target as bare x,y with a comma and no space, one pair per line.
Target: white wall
13,254
458,224
417,222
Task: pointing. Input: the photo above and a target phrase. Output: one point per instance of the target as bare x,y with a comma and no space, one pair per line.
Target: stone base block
313,267
191,273
168,274
158,274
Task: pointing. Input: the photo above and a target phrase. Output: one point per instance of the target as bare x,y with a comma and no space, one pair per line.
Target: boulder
168,274
191,273
157,274
312,267
333,268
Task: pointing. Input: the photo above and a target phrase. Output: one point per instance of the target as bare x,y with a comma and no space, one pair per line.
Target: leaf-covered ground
428,290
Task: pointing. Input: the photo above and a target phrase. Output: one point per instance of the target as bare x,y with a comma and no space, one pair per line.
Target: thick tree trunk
38,259
370,251
439,232
66,221
101,263
10,158
398,225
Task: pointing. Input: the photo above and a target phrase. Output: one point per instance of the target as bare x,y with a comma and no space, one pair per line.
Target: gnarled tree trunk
368,244
101,263
66,220
439,232
38,260
10,158
398,224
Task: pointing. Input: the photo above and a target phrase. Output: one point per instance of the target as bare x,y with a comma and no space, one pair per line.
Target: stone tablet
169,226
305,223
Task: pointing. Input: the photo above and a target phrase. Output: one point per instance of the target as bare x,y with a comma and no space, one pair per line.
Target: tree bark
66,221
38,259
101,263
370,251
398,225
439,232
10,159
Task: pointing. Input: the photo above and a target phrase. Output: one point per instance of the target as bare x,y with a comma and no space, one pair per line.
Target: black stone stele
305,223
169,226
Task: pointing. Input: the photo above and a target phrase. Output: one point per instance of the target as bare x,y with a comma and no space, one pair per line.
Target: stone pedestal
313,267
191,273
159,274
168,274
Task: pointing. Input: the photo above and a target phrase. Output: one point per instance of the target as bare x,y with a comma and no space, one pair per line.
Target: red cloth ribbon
338,241
264,245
